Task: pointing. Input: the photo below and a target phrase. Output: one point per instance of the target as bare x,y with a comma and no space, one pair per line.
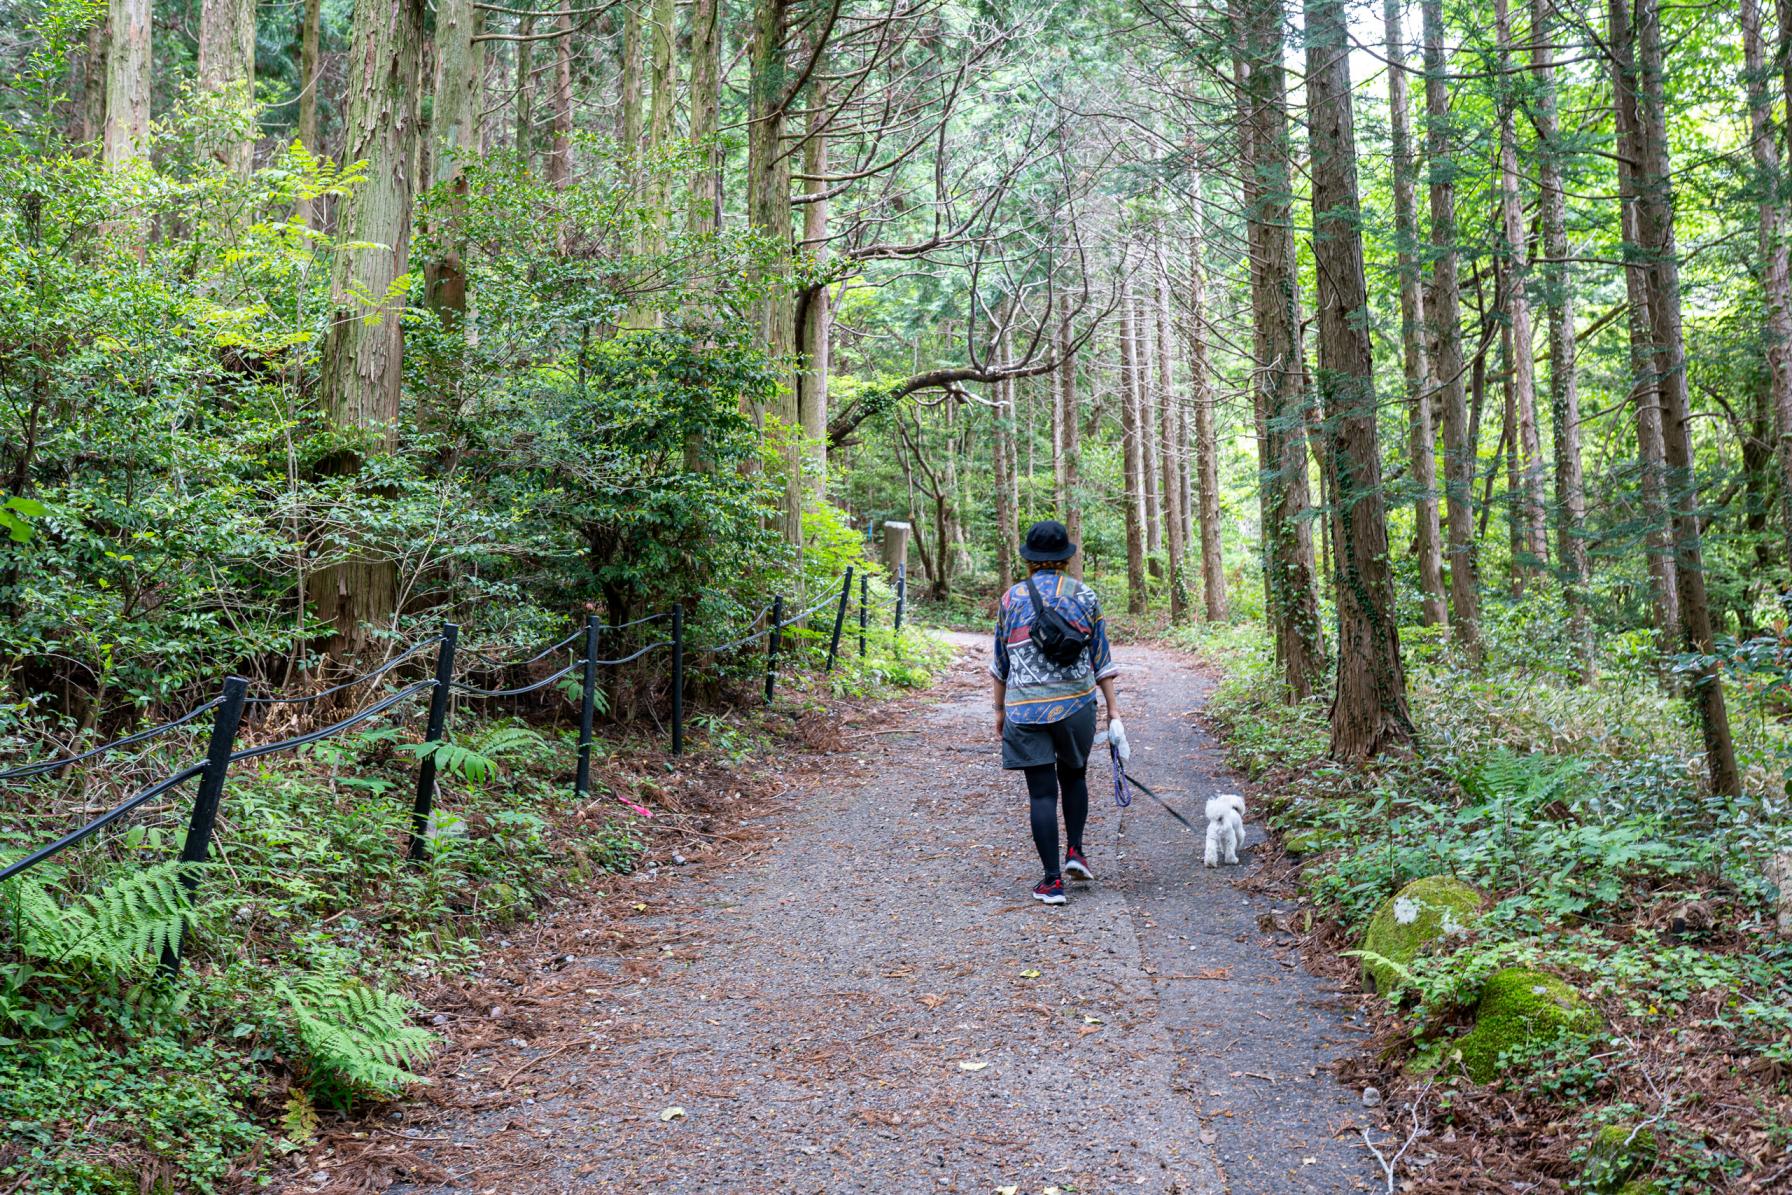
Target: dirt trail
876,1004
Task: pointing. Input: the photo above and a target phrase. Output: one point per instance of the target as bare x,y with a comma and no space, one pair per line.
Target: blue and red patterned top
1040,691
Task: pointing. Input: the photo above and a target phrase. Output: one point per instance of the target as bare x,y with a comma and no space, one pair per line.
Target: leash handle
1122,798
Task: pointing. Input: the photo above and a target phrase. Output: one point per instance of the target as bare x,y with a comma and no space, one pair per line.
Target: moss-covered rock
1520,1007
1310,842
1617,1156
1639,1186
1418,915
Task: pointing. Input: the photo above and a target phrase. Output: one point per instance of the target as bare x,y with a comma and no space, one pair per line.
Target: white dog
1225,828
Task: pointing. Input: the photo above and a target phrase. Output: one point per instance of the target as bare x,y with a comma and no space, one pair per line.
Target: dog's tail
1222,802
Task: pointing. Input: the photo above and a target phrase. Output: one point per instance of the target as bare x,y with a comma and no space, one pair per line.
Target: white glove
1117,737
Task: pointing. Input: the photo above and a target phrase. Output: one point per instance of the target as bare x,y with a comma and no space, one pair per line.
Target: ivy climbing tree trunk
363,357
1290,580
1369,715
1445,312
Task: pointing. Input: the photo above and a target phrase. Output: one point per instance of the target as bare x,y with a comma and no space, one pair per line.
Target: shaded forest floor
842,984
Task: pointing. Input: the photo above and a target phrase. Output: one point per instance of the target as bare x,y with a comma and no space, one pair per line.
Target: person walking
1051,655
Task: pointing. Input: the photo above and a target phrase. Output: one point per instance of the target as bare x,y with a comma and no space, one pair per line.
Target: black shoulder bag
1057,639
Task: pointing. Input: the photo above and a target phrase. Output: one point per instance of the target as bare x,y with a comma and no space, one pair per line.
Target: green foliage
358,1040
1522,1010
114,931
1427,911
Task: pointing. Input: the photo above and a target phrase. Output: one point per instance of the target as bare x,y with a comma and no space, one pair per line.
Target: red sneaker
1076,867
1050,891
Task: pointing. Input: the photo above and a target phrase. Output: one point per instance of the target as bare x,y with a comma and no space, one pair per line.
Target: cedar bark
706,68
768,212
127,82
310,25
1445,311
1639,48
1150,480
525,88
559,171
817,299
1006,465
659,120
1369,715
1422,446
93,82
1171,453
1131,435
455,136
1776,269
1071,503
1528,502
362,361
632,119
1290,580
1558,300
227,60
1206,447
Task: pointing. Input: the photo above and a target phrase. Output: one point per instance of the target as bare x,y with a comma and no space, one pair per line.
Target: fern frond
357,1035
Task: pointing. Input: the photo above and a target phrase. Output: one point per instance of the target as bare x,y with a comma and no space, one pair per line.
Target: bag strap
1033,592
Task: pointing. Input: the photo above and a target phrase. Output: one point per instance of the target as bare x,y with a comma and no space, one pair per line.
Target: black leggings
1043,784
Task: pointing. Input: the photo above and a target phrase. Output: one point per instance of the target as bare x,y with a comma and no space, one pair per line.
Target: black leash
1120,797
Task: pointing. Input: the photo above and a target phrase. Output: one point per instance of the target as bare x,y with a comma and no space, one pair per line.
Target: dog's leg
1212,858
1234,839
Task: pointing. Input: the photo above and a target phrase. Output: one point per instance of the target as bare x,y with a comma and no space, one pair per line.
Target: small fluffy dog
1225,828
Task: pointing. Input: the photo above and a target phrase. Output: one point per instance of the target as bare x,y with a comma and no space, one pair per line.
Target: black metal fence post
587,705
864,602
771,650
839,618
206,800
901,596
437,727
678,678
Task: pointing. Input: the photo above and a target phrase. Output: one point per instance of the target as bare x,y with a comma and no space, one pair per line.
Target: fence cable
99,823
52,765
325,732
475,691
389,665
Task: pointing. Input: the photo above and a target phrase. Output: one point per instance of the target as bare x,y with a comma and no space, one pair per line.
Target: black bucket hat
1047,540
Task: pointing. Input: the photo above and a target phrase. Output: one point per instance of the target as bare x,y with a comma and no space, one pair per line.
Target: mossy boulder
1310,842
1639,1186
1421,913
1521,1008
1618,1156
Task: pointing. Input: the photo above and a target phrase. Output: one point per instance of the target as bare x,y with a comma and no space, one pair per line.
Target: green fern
116,930
478,762
360,1041
1524,781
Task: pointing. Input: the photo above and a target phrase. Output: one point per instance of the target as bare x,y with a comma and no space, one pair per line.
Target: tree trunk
1151,479
659,119
93,83
768,212
1776,270
1654,198
1558,298
362,361
127,82
1422,446
454,129
1294,601
1530,505
1445,311
1207,471
227,60
1006,467
706,69
1170,453
525,88
816,305
559,171
1132,444
629,131
1071,502
1369,715
310,24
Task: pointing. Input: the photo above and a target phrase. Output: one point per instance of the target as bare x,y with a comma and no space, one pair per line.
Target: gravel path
876,1004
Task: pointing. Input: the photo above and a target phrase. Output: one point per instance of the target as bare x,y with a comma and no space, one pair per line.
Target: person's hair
1034,566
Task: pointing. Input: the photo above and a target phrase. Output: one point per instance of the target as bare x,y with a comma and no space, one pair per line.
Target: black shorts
1066,742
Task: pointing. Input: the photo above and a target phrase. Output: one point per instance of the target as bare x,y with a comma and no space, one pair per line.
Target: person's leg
1074,782
1042,796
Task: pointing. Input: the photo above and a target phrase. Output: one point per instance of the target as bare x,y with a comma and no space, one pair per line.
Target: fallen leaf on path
672,1113
1030,973
930,1001
972,1066
1086,1030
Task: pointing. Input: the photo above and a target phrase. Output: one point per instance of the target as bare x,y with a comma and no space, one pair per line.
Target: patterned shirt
1040,691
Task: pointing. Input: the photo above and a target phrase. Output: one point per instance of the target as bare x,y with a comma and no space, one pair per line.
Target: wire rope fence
228,711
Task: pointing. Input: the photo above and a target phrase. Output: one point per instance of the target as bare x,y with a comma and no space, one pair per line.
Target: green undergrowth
1610,875
308,929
